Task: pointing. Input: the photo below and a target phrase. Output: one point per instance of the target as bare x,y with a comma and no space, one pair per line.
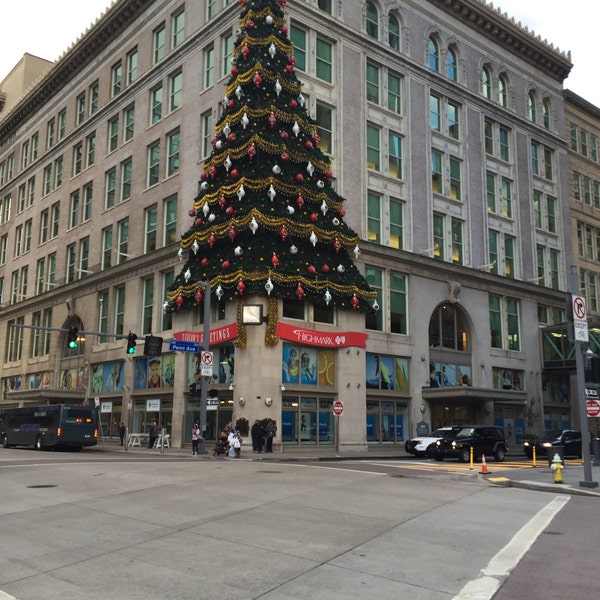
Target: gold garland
271,338
242,339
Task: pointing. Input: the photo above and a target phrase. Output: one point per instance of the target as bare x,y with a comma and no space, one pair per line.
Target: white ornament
335,221
204,185
327,297
296,128
180,253
324,207
271,193
375,305
301,100
320,184
272,50
293,249
226,129
269,20
227,163
313,238
269,286
239,92
238,251
165,305
187,275
241,192
211,217
195,247
205,208
253,225
218,144
245,121
290,210
278,88
340,268
356,251
310,168
219,291
276,169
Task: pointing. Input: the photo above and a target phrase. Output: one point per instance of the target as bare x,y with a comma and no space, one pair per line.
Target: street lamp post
204,380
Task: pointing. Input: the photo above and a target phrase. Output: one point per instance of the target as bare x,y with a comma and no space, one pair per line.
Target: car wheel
438,456
464,455
39,443
499,454
430,451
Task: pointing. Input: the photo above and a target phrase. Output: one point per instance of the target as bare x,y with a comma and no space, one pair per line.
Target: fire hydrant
557,468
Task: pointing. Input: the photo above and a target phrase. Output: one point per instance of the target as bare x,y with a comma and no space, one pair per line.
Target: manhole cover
42,485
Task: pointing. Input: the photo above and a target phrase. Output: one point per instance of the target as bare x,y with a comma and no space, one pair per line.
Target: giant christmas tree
266,221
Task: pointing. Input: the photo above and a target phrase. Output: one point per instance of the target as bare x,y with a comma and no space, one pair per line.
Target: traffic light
131,338
72,337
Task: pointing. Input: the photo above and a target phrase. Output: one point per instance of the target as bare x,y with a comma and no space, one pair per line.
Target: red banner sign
217,336
325,339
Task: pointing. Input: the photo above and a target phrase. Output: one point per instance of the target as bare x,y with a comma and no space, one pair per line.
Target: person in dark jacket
153,436
258,437
122,430
270,429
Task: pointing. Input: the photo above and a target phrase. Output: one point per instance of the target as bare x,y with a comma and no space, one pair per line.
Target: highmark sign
324,339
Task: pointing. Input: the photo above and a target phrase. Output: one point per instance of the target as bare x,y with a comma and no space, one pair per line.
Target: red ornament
337,246
313,217
211,240
341,212
245,51
252,151
249,23
242,3
328,174
354,301
204,262
309,145
241,286
289,68
283,233
226,264
257,79
299,292
234,173
311,269
179,301
234,71
285,156
223,201
192,213
284,135
232,234
293,101
198,222
272,119
316,138
325,268
199,296
292,59
232,103
299,177
229,210
203,175
275,260
282,2
231,137
300,201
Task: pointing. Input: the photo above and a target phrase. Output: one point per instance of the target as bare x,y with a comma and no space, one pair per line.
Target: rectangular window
227,51
324,60
126,170
94,96
103,325
298,38
372,83
123,233
394,93
373,147
113,134
84,257
175,91
490,183
435,120
132,66
504,144
110,186
207,132
107,247
151,230
509,256
55,220
88,193
177,29
493,247
436,172
115,78
77,159
50,134
512,324
119,310
74,210
170,216
554,270
62,124
156,99
439,242
374,217
209,67
80,114
172,153
495,311
548,160
537,208
455,179
128,123
535,158
325,127
58,172
457,241
398,304
44,224
551,209
158,43
148,306
506,198
374,278
90,150
489,137
153,164
396,224
395,156
453,120
70,263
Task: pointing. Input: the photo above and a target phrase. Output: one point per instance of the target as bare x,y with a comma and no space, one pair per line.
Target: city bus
50,426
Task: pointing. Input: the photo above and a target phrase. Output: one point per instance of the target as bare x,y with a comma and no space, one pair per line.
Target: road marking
485,586
5,596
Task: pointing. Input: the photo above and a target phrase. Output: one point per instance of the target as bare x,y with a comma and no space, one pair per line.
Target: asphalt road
143,526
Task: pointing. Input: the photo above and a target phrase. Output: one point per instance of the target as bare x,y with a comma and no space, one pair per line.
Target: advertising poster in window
291,364
308,366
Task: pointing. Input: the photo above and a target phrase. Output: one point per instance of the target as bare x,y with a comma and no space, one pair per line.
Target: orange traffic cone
484,470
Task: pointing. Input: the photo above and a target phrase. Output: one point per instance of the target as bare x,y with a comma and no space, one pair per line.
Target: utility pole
579,337
204,380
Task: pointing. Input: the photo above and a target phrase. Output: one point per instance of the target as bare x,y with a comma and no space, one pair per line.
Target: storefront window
387,422
387,373
307,421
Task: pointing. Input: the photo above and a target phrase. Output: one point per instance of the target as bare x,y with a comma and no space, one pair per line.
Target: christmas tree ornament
337,245
272,119
296,128
211,240
278,87
253,225
225,264
195,247
205,209
335,221
269,20
356,251
241,192
300,201
238,251
271,193
257,79
245,120
199,296
179,301
290,210
375,305
269,286
187,275
313,238
324,207
300,292
227,163
272,50
241,286
219,292
204,262
354,301
320,184
283,233
180,253
226,129
275,260
251,151
239,92
327,297
310,168
340,268
211,218
276,169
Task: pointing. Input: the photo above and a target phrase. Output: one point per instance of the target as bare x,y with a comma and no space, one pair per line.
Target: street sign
580,325
153,345
593,408
338,408
176,346
206,363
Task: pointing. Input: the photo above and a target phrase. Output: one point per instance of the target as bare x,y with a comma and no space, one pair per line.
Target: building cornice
107,28
582,104
508,33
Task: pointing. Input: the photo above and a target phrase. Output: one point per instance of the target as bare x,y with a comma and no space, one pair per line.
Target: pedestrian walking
122,430
153,435
196,439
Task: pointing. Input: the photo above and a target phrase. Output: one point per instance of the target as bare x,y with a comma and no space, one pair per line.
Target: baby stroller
221,448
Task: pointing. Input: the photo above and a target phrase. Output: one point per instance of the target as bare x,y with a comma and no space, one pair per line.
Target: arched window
448,328
394,33
502,91
486,83
372,21
531,108
433,51
546,113
452,65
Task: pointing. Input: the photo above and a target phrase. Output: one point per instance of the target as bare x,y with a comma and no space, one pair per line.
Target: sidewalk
539,478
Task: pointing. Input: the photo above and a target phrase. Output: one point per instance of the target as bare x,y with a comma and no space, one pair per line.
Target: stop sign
338,408
593,408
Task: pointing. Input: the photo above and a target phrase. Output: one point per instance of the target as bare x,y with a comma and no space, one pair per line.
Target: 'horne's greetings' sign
326,339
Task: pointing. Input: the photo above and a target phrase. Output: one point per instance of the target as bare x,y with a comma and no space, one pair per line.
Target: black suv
484,439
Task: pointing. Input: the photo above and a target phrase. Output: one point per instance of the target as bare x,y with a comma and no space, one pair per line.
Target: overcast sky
47,28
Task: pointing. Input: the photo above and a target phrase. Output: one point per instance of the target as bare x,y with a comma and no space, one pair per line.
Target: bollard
557,468
471,458
533,455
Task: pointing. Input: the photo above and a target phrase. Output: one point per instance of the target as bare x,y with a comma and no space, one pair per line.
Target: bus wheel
39,443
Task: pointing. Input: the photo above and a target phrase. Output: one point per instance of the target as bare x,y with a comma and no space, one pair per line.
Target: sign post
203,379
338,409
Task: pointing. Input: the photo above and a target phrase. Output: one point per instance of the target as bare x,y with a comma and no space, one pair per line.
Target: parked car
422,446
484,439
569,439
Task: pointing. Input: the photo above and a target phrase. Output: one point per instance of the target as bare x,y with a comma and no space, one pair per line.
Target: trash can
552,452
596,451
